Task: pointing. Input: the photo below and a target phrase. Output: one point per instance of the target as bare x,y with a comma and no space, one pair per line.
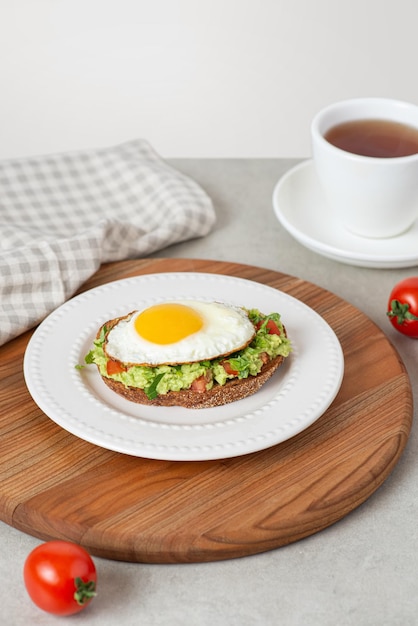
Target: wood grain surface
54,485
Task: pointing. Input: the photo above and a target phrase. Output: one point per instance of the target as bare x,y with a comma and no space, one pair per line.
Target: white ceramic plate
300,206
79,401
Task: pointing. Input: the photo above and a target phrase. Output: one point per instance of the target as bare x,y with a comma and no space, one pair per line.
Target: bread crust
234,389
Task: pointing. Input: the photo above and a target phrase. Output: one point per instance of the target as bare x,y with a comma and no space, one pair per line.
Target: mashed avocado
269,339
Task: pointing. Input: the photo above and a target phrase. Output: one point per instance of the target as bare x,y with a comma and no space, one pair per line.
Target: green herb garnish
151,390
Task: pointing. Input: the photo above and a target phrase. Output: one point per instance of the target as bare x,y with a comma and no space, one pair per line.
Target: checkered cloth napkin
63,215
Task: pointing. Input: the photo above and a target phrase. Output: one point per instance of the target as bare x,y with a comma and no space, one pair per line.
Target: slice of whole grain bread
234,389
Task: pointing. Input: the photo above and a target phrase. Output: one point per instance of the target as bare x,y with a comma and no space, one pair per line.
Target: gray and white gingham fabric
63,215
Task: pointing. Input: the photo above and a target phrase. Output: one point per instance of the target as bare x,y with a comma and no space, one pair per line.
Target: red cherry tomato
60,577
229,369
403,307
115,367
271,327
199,384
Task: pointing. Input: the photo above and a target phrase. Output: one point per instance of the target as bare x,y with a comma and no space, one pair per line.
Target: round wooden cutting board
55,485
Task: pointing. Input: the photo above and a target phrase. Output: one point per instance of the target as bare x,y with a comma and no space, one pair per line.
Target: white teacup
372,196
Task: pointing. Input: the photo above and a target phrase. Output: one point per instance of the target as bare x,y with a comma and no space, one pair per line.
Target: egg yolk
167,323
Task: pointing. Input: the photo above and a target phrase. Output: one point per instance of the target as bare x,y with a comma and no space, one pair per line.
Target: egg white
226,329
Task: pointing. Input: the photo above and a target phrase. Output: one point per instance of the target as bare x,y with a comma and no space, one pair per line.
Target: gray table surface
363,570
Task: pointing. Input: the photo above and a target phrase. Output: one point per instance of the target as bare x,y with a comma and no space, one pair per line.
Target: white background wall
197,78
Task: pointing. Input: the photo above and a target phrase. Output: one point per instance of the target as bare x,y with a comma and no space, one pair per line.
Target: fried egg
179,332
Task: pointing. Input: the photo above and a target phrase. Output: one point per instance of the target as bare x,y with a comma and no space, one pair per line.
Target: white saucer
300,207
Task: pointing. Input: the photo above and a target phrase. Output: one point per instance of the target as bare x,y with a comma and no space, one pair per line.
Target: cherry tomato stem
401,312
84,591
